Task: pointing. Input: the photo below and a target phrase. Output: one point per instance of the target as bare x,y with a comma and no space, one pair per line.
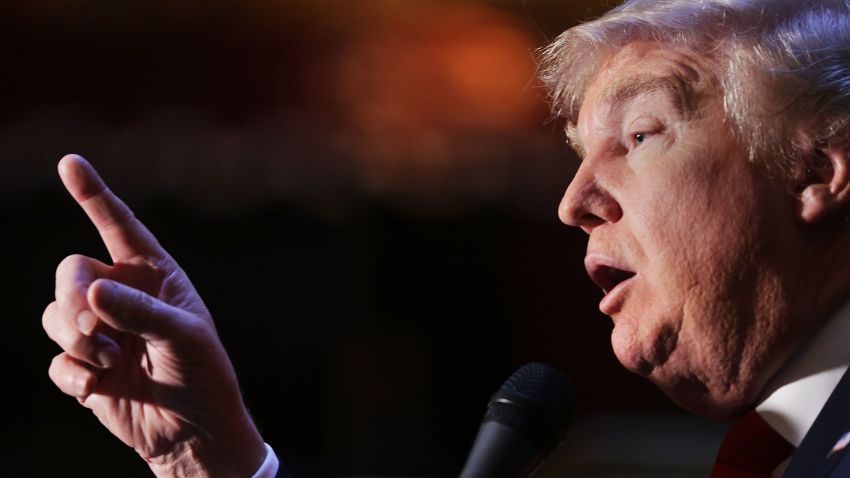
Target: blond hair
781,64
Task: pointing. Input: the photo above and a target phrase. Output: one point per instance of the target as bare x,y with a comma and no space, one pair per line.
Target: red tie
750,449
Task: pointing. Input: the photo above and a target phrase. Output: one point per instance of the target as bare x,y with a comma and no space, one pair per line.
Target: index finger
125,236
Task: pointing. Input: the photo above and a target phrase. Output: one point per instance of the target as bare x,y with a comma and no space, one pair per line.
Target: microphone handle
500,451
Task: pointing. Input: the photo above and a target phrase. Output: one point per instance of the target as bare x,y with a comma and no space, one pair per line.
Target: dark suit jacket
815,458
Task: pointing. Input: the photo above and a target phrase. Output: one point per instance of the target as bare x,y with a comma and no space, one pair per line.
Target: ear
823,187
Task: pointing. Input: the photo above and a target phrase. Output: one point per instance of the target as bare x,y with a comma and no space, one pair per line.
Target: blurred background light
364,192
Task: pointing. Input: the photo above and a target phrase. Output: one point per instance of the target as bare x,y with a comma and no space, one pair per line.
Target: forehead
685,78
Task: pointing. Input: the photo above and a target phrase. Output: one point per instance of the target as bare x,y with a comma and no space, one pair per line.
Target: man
714,184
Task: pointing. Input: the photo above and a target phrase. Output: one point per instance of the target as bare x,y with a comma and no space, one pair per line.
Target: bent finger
72,377
73,276
97,349
123,234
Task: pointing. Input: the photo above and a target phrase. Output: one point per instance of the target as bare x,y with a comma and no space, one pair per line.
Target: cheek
690,261
670,234
691,221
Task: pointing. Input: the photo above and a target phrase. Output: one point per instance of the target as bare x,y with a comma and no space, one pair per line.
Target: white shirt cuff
270,465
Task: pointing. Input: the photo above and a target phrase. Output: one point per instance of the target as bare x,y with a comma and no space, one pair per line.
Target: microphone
524,422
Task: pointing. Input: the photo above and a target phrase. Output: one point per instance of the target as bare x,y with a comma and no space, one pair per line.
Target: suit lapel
840,464
815,458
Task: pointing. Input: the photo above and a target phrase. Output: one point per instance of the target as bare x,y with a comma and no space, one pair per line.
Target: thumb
130,310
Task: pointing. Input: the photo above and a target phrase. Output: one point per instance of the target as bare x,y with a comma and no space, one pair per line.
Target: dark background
364,193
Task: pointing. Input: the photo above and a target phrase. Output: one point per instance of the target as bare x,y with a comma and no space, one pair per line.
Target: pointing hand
140,348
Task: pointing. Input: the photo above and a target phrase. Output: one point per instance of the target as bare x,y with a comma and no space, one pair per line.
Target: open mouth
607,277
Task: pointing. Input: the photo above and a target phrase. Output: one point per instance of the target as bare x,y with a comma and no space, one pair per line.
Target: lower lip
613,300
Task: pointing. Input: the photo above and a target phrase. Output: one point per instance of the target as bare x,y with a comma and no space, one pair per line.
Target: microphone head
538,401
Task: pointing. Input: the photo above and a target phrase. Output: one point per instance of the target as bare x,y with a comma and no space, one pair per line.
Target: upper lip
607,272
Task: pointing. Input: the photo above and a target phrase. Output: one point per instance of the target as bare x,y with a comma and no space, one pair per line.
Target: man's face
688,239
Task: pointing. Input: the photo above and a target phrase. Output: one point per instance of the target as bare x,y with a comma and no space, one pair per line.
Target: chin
633,361
629,350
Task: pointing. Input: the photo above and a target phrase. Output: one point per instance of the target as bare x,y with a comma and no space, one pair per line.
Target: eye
636,139
642,129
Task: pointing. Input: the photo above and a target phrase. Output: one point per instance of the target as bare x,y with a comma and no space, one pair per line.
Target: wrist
225,455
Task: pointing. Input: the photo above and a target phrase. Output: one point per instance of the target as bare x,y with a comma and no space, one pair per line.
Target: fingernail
107,294
86,322
108,357
81,386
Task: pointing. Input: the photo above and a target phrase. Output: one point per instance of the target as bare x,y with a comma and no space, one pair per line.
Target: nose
587,203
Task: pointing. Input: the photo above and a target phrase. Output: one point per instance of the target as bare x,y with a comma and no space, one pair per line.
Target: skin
717,303
140,350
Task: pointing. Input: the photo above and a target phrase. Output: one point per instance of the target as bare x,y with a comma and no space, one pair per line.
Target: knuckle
55,362
69,262
79,345
69,378
48,315
55,331
67,337
68,292
55,369
115,214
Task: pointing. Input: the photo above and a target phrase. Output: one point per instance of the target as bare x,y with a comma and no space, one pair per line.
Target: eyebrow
679,86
